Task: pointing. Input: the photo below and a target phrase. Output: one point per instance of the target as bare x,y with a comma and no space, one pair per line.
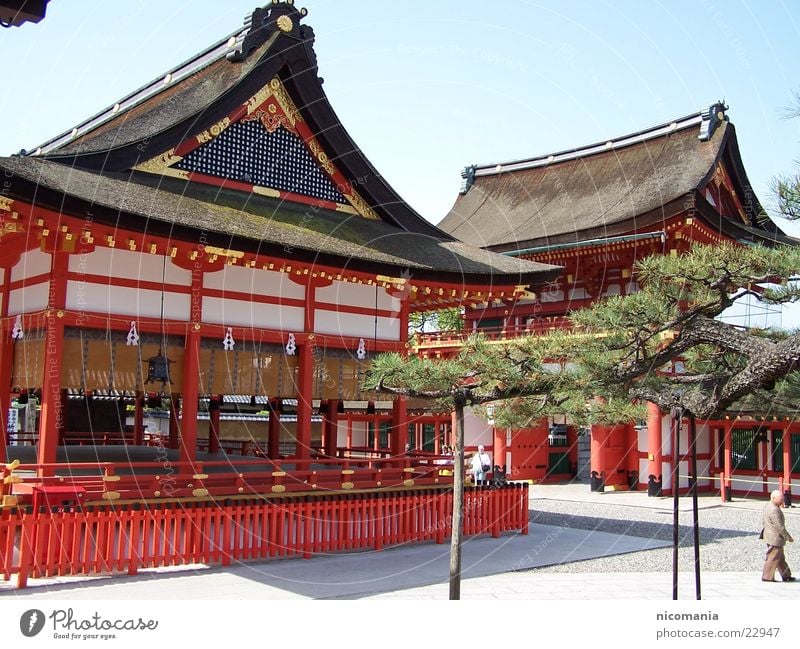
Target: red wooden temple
594,211
192,283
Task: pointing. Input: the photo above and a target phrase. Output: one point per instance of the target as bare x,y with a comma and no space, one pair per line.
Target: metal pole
693,449
676,438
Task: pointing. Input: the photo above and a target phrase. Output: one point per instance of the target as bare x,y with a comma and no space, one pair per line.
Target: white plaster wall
128,264
362,295
121,300
31,264
552,296
360,433
642,444
643,472
578,294
29,299
683,470
341,433
631,287
612,289
477,431
252,314
704,438
254,281
355,325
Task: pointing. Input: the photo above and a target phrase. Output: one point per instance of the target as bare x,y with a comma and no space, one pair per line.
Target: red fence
125,539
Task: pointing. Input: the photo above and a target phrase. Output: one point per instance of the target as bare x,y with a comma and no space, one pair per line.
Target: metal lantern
158,368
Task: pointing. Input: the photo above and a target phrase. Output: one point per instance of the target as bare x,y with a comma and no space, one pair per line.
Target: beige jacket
774,526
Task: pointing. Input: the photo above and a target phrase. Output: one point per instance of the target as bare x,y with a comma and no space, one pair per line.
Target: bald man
776,536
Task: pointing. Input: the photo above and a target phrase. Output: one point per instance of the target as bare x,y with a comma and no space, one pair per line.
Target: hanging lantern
133,336
361,352
291,346
228,342
17,333
158,368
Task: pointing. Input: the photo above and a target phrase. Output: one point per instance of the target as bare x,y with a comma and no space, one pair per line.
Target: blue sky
426,88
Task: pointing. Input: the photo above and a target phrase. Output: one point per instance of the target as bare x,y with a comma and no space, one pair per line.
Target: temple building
595,211
193,282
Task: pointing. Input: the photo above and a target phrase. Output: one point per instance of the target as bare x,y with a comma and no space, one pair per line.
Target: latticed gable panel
247,152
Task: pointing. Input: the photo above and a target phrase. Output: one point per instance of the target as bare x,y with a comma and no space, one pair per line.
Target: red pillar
6,363
274,431
399,427
655,452
499,447
174,423
600,434
214,407
51,421
331,426
727,444
6,370
138,419
191,394
305,374
787,463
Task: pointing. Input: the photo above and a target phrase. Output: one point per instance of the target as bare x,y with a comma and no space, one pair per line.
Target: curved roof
605,189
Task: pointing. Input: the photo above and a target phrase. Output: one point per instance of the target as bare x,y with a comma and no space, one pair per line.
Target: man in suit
776,536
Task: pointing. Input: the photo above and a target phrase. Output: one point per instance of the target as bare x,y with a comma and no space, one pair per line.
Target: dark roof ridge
699,118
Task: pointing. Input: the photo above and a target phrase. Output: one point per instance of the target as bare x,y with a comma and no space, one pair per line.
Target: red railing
125,539
98,482
455,338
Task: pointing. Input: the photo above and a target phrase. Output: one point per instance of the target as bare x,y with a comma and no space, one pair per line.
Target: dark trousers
775,560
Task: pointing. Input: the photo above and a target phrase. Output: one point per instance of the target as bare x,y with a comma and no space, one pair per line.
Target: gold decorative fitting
157,494
111,495
110,478
276,474
241,490
347,485
200,493
285,24
278,489
348,472
408,483
5,204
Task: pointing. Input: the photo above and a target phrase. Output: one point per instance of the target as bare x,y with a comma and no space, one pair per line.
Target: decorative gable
265,147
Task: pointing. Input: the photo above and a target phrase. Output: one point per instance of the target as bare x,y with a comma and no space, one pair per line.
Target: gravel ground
728,534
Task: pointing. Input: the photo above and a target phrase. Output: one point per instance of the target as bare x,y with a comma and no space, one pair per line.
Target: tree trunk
458,501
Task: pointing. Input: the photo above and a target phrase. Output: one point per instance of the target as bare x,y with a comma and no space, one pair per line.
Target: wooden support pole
332,428
138,419
399,439
51,422
174,423
786,446
305,375
727,461
214,409
274,430
6,371
655,452
191,372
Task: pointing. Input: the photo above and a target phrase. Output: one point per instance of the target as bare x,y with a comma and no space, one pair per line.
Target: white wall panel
252,314
361,295
360,433
255,282
31,264
137,266
477,431
641,435
29,299
355,325
122,300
